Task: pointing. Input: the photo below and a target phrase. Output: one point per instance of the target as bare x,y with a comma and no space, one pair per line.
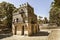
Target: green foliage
55,12
6,9
45,20
57,3
39,21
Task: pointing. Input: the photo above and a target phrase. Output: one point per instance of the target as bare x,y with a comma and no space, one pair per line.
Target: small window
17,20
21,11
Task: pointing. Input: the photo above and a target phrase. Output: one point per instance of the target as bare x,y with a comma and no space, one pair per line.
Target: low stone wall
54,35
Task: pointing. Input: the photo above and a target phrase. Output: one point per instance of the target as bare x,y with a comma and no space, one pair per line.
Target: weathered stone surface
30,30
54,35
24,20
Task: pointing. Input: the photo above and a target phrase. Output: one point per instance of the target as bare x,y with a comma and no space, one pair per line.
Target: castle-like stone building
24,20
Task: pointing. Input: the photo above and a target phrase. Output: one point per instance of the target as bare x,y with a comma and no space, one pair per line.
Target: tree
55,12
45,20
6,10
39,20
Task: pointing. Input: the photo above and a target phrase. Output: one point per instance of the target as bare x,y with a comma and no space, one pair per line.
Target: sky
41,7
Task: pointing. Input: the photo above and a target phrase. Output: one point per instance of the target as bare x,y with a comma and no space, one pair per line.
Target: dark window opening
22,11
17,20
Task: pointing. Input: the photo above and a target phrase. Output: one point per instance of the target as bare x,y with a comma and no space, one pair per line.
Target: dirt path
17,37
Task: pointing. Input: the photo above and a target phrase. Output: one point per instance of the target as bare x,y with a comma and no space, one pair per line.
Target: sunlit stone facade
24,20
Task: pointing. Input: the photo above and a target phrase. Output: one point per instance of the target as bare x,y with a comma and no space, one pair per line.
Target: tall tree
45,20
55,12
6,10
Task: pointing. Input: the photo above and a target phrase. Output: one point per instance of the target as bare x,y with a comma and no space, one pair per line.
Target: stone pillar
22,30
14,29
29,29
35,29
38,28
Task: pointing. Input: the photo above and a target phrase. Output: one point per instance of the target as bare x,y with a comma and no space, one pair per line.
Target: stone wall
21,29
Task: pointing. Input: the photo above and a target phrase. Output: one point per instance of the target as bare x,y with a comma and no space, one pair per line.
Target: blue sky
41,7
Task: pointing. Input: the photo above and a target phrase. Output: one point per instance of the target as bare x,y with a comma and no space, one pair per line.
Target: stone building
24,20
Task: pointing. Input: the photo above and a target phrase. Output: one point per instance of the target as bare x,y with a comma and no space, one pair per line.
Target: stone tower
25,20
28,13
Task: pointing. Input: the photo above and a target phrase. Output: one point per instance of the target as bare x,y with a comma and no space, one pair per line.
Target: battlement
22,5
26,4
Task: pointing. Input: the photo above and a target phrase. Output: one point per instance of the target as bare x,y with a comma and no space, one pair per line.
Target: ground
39,36
44,34
17,37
